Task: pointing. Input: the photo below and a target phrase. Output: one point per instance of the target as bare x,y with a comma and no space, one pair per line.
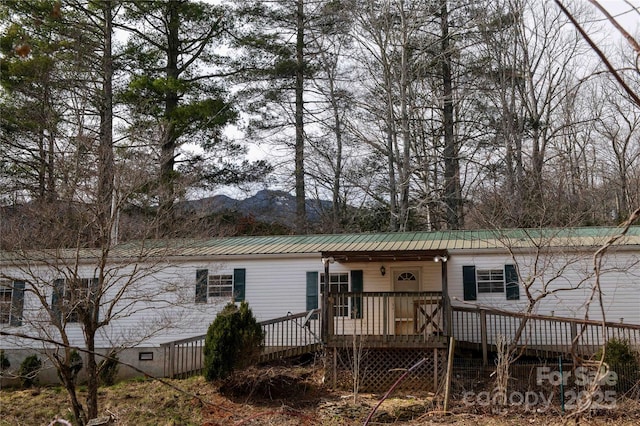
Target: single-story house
409,290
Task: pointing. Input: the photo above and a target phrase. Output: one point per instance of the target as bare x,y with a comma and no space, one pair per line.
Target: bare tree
599,255
86,299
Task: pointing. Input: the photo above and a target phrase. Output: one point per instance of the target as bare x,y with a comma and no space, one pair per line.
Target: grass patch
132,402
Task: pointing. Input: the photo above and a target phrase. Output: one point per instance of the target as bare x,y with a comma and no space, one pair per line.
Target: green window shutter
469,282
357,285
312,290
57,299
17,304
94,295
512,286
94,287
239,284
201,285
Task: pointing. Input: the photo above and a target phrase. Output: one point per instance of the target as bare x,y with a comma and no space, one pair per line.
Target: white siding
160,304
157,306
572,272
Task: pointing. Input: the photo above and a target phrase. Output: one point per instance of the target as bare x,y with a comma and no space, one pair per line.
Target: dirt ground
286,397
281,396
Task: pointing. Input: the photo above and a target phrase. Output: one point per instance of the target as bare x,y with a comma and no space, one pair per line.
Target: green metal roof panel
363,242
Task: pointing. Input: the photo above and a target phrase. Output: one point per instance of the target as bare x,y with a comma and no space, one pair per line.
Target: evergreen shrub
29,369
233,341
108,369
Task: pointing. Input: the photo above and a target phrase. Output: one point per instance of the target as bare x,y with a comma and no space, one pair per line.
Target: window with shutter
490,281
6,297
210,287
71,296
338,283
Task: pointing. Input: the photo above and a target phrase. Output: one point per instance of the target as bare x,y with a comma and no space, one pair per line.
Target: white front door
405,281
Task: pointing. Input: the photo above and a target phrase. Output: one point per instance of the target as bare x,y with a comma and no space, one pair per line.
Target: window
490,280
407,276
338,283
220,286
145,356
215,286
72,295
6,293
11,302
76,294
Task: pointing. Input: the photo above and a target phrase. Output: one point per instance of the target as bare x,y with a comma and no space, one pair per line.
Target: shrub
74,367
29,369
623,360
75,364
108,369
4,361
233,341
618,351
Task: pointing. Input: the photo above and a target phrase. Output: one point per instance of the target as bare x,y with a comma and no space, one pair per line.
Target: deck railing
540,335
386,318
184,358
412,319
290,335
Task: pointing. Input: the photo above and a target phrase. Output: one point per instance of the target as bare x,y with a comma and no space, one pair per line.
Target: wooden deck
386,320
388,342
539,335
409,321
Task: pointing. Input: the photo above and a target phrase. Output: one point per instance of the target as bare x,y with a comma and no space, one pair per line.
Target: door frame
403,325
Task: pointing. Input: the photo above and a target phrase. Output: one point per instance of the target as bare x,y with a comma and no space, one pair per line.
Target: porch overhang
386,256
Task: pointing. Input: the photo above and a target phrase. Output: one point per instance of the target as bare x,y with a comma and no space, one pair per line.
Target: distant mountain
265,206
265,213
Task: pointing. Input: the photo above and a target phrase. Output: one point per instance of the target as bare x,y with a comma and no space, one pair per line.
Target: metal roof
363,243
437,241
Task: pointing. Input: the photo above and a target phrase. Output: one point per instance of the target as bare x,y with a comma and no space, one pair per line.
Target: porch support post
483,337
446,308
324,332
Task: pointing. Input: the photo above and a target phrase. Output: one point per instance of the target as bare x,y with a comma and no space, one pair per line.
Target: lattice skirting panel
380,368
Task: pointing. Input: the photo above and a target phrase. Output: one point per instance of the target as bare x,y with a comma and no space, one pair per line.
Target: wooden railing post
330,329
483,337
172,357
385,317
574,335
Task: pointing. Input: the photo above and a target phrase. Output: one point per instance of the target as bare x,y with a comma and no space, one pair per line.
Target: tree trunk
301,205
105,154
92,372
405,171
337,173
452,193
70,386
169,138
391,143
393,195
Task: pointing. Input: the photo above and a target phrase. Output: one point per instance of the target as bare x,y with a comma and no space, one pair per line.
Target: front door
405,281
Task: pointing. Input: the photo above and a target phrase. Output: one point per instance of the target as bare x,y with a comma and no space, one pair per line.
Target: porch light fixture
326,260
440,258
383,270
